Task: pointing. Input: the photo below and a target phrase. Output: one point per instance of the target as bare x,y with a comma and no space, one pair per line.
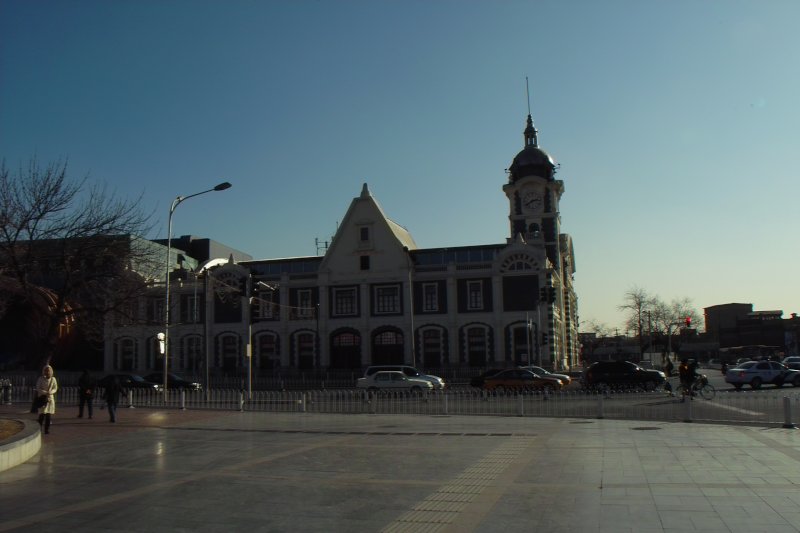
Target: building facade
376,298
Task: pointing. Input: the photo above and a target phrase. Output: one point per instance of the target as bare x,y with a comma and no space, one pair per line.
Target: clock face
531,201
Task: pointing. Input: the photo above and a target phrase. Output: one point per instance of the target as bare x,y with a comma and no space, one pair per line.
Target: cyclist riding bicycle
688,374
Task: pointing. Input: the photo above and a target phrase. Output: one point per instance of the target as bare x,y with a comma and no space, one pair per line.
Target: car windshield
137,378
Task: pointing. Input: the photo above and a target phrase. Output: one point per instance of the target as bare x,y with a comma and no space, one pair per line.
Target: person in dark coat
111,396
86,385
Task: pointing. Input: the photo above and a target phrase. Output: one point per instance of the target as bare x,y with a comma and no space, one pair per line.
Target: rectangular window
304,304
430,296
474,295
265,305
155,310
364,234
125,315
344,302
364,262
387,299
190,308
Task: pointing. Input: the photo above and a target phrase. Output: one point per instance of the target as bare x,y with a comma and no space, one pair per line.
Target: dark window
430,296
364,262
364,234
474,295
344,302
387,299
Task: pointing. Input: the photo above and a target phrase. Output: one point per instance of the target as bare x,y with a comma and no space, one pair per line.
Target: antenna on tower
528,93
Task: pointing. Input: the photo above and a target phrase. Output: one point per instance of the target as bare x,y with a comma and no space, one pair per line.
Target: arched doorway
268,356
388,347
477,345
304,346
433,353
345,349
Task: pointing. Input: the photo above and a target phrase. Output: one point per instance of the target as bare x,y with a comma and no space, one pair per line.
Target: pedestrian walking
87,385
668,368
111,397
46,388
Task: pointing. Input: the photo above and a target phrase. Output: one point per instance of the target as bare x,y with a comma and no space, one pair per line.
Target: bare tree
652,318
68,250
637,303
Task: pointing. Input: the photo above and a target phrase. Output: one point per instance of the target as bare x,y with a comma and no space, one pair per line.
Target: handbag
39,402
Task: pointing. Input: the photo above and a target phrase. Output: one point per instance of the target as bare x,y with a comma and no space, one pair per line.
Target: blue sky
675,124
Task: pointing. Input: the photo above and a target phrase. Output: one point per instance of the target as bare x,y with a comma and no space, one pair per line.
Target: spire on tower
531,138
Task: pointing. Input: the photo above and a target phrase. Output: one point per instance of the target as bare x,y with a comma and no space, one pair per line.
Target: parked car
793,362
477,381
758,373
410,371
621,374
520,379
539,371
393,380
130,381
174,381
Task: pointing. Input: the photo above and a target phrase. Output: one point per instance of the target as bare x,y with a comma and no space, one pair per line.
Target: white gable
366,232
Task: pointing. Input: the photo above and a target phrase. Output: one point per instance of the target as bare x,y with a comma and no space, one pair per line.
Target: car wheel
756,383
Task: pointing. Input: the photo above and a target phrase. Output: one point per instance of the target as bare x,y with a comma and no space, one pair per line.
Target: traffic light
688,321
552,295
543,294
544,338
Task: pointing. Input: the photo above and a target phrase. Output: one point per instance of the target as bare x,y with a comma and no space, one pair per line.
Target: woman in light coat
47,385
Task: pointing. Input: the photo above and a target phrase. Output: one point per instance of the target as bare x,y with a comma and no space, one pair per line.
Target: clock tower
533,197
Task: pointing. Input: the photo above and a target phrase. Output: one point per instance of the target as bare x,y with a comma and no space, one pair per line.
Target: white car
757,373
409,371
393,380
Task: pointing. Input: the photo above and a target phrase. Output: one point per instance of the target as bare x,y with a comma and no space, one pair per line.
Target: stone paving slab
171,470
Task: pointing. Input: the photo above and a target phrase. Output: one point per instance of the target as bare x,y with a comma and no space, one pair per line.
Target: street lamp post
175,203
258,285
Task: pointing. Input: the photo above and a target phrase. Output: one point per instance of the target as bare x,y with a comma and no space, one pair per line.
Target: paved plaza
172,470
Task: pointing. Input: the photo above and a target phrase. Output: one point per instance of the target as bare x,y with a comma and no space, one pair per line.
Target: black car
174,381
129,381
621,374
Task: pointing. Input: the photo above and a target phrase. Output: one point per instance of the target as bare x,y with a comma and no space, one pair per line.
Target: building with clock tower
375,297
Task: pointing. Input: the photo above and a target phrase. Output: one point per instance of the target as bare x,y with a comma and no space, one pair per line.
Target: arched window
518,262
267,353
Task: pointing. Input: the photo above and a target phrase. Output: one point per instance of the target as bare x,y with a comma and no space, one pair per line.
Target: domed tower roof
532,160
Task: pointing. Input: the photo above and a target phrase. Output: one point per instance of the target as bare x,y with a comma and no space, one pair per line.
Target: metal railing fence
779,407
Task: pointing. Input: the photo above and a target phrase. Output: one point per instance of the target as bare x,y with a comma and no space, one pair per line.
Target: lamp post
175,203
258,285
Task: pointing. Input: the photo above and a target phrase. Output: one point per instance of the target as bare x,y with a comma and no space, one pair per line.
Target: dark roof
532,161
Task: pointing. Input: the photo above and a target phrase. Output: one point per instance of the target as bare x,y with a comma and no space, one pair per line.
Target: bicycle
700,386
